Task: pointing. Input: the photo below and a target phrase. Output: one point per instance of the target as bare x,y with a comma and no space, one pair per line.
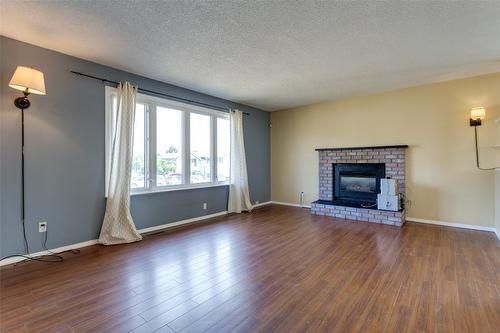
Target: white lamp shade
28,79
478,113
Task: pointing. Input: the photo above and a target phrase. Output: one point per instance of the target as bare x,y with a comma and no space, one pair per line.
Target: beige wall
497,201
442,180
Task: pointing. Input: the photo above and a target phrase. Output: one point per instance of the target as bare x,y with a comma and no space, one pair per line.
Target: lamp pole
23,103
26,249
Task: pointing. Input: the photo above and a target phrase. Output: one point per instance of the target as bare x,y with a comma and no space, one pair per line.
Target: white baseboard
262,204
205,217
194,219
174,224
94,241
141,231
451,224
497,232
290,204
419,220
42,253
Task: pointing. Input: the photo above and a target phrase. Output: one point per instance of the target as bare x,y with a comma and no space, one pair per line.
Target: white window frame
151,102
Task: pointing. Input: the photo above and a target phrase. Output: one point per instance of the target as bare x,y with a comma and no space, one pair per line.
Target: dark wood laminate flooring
278,269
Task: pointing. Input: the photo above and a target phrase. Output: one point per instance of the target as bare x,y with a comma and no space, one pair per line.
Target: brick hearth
394,159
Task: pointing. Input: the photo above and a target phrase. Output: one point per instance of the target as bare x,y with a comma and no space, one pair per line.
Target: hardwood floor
278,269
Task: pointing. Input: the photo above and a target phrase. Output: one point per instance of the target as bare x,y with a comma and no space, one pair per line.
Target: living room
274,166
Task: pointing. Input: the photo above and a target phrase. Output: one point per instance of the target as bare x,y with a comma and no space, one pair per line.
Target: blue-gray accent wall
65,154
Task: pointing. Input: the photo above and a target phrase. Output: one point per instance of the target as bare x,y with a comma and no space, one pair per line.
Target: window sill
177,188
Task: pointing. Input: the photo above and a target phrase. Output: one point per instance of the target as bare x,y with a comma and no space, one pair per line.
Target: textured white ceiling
270,54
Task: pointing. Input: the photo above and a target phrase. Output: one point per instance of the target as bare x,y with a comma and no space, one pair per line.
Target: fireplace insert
357,183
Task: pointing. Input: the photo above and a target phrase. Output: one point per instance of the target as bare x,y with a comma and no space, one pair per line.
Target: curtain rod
175,98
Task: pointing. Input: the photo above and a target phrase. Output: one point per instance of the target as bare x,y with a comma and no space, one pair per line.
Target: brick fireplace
341,201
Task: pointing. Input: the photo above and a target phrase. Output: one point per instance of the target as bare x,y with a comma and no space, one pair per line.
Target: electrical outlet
257,202
204,205
42,226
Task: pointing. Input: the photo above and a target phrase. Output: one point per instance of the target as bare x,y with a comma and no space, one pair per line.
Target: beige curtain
239,196
118,226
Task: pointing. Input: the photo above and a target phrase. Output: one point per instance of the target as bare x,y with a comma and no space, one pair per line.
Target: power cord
55,255
26,246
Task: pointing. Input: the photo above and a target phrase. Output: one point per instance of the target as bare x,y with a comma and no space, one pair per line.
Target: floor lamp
29,81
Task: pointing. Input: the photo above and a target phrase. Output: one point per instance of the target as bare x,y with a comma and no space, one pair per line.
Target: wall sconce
29,81
476,115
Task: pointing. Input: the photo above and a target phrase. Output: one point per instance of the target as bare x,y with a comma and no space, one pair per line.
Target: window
223,144
176,145
138,177
200,148
168,146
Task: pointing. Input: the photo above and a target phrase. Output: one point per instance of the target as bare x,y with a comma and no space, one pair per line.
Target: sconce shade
29,80
477,113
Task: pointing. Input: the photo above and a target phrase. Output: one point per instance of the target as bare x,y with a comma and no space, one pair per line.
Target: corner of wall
497,202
